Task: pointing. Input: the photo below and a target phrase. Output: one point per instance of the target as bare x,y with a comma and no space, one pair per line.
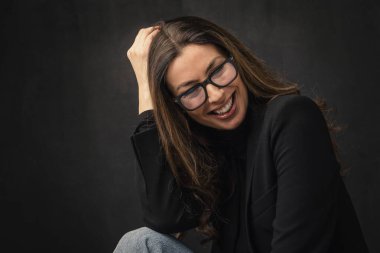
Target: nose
215,94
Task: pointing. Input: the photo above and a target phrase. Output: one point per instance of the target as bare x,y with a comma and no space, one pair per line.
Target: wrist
145,102
144,108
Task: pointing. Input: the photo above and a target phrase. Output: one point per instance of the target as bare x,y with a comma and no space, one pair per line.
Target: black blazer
295,200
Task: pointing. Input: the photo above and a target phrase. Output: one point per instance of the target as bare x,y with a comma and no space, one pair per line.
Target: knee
137,240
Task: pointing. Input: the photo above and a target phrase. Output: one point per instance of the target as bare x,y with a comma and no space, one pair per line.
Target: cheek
244,93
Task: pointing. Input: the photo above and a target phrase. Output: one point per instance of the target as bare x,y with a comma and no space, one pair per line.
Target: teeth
225,108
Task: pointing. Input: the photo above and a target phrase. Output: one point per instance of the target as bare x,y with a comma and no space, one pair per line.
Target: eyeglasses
197,95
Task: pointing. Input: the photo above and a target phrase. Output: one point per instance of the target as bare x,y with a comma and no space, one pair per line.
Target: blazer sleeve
162,201
307,177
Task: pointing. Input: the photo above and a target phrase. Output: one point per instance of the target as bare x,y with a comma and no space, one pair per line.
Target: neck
221,139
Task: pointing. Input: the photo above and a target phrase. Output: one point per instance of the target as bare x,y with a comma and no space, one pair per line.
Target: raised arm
163,207
138,56
162,200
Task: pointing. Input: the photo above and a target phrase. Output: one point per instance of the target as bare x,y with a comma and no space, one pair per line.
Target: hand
138,56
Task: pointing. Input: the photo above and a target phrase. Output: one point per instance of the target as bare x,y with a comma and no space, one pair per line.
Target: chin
229,124
231,117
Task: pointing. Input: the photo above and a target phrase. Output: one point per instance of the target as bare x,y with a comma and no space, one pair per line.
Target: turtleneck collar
226,140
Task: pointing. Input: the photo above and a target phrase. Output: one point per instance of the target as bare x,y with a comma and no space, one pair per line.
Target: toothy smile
226,108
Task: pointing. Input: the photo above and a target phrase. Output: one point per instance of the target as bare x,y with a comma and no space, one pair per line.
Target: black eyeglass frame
203,84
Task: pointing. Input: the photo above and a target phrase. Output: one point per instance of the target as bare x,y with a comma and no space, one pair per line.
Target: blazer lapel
255,123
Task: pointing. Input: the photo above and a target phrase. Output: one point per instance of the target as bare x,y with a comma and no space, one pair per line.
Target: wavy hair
190,161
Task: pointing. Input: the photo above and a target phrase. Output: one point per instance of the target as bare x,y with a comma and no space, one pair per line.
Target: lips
227,110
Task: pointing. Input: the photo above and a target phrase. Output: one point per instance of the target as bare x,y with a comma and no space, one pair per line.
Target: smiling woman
223,89
228,148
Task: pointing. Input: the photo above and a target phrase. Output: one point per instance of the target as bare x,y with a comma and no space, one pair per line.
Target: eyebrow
209,67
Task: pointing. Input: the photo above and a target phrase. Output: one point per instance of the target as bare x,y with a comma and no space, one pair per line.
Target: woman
228,148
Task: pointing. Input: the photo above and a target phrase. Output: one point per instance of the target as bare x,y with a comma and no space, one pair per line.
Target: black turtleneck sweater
229,148
297,201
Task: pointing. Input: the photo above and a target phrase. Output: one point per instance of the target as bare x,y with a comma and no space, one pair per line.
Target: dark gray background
70,104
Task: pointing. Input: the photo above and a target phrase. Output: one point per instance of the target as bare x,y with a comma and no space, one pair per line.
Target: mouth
227,110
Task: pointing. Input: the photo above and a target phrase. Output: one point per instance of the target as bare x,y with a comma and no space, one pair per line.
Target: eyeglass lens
196,96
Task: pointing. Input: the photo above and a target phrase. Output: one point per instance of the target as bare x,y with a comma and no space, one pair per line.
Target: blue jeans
146,240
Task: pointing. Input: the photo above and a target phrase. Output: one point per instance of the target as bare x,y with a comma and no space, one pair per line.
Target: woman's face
225,108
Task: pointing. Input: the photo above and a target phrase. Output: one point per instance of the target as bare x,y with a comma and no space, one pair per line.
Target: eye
192,92
219,71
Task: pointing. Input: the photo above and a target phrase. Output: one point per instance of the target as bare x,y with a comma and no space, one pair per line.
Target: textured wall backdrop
70,104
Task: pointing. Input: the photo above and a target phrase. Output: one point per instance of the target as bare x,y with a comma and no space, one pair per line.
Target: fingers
143,32
151,35
142,41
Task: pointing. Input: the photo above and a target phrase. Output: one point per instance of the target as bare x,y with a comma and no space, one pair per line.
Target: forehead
191,64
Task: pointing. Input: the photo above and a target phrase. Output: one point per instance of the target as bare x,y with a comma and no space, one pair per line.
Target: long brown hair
191,163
